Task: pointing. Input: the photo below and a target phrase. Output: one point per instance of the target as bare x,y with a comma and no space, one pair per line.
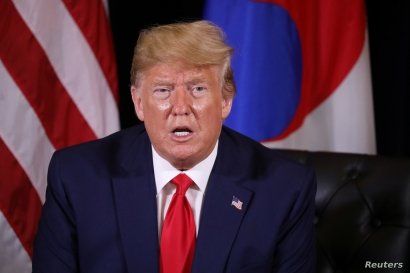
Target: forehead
180,71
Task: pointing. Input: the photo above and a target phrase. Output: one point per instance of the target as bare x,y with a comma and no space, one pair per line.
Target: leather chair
362,211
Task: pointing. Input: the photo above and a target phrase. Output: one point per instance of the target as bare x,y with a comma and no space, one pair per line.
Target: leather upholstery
362,211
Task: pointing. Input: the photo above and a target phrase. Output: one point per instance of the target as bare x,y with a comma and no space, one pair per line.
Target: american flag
236,203
58,87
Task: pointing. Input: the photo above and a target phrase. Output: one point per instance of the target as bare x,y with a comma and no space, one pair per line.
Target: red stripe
32,71
332,35
19,201
92,20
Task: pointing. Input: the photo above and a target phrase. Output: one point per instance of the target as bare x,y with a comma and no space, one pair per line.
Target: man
181,193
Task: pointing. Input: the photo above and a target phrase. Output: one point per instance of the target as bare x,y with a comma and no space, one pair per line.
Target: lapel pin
236,203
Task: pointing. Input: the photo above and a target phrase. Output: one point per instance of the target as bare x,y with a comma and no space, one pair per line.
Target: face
183,110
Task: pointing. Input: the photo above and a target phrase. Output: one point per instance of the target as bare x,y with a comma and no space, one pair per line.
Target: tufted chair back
362,211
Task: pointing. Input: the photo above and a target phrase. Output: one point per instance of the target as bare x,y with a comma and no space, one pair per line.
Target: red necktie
178,231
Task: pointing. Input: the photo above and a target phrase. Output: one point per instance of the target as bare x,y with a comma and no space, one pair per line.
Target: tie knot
183,182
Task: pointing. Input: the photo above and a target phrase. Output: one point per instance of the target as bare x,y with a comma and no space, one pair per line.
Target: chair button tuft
353,174
376,222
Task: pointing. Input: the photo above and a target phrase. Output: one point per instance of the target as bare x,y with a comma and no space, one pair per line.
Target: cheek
209,116
200,107
156,108
208,106
164,106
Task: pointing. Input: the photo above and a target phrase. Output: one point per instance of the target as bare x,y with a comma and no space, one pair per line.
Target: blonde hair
197,43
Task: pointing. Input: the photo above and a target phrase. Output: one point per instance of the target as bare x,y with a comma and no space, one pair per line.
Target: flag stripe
92,20
27,63
106,7
19,201
73,61
28,140
13,257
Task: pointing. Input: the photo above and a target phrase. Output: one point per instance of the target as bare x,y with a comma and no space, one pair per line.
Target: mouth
182,133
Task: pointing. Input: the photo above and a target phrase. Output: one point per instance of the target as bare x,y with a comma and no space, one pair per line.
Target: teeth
183,133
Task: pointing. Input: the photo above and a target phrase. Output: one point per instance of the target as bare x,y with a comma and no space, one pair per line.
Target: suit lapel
136,210
220,220
135,201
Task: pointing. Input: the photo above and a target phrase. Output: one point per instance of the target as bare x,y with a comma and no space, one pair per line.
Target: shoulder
264,165
241,148
104,153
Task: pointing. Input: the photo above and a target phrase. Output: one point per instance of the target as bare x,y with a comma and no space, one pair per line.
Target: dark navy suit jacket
100,212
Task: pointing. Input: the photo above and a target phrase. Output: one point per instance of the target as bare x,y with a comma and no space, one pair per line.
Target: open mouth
181,132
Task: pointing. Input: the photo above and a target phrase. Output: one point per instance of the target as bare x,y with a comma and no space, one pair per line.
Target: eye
198,90
162,93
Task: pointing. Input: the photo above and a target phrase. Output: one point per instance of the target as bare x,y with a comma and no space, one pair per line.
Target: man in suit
180,193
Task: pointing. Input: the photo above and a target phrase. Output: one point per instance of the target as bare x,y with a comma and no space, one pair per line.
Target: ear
137,100
226,106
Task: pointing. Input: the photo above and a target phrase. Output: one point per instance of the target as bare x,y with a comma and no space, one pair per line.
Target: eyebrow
167,82
162,82
196,81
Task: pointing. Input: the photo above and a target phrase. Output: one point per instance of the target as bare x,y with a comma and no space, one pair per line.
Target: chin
182,164
182,159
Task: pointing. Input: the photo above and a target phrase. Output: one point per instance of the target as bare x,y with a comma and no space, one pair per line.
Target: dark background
389,34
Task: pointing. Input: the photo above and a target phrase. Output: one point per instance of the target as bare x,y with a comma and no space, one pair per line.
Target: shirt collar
164,171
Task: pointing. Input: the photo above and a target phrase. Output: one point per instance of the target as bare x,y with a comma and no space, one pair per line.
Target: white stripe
342,123
106,8
13,256
73,60
23,133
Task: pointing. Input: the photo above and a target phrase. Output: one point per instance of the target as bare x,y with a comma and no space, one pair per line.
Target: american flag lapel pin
236,203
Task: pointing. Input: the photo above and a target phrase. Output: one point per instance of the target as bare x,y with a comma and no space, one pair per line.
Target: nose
182,102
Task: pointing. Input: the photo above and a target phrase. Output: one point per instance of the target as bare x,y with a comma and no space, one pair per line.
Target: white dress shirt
164,172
